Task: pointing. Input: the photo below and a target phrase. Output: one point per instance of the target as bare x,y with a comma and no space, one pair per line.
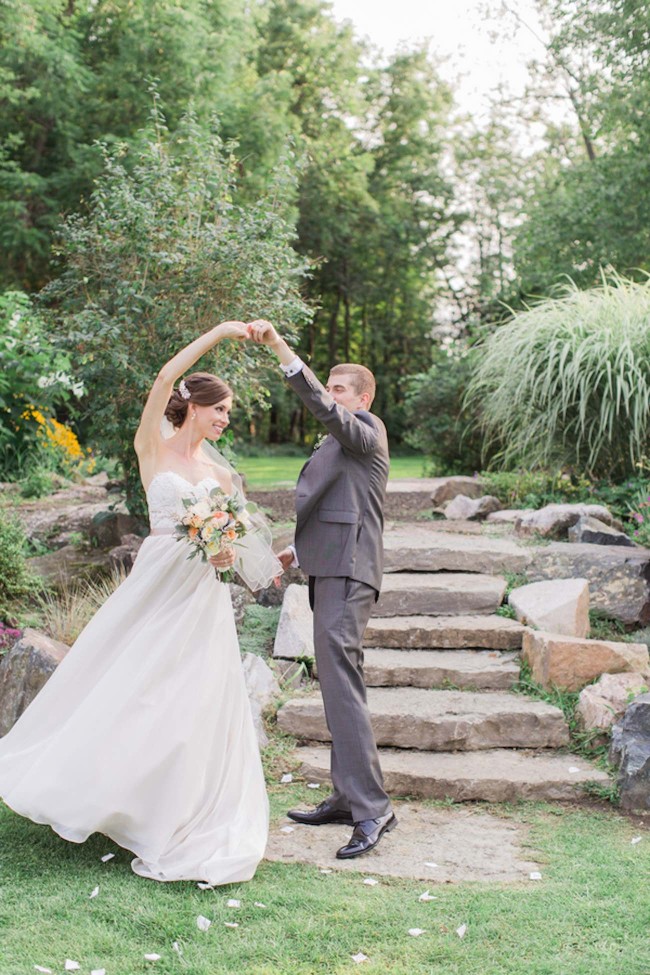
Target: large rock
294,636
508,516
602,703
24,671
124,555
553,520
444,633
416,547
570,662
72,563
462,508
411,717
108,527
484,670
497,775
630,750
618,577
447,488
439,594
557,606
595,532
262,688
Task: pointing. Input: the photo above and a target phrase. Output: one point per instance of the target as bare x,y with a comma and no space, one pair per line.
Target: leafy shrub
163,254
566,383
534,489
32,371
16,579
437,423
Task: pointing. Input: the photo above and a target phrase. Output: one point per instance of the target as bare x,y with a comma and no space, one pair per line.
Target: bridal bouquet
213,524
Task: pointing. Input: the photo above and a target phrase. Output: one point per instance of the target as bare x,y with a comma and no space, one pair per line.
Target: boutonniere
320,440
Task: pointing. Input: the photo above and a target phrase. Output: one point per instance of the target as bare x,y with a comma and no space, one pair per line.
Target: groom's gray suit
339,505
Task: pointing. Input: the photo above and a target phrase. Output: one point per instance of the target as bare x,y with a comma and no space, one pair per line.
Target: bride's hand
262,332
233,330
224,560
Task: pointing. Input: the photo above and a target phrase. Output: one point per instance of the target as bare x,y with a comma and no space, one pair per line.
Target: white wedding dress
144,731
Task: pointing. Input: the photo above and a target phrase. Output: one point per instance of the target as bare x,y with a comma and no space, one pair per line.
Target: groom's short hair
362,379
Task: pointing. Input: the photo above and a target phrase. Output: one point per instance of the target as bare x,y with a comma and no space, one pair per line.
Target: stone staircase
440,665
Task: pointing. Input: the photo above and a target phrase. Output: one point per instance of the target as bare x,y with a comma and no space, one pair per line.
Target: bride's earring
194,416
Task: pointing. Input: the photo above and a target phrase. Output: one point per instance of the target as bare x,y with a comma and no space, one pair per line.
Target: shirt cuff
295,366
295,564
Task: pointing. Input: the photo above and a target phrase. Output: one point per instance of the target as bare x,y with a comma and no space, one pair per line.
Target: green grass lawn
278,470
587,916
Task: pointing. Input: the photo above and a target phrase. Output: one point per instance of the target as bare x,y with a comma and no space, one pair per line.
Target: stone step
439,594
497,775
444,632
431,720
412,547
486,670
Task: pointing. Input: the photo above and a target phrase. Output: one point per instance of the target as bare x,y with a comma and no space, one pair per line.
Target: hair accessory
183,390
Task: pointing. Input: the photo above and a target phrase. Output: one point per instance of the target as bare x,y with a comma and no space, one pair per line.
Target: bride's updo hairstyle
203,388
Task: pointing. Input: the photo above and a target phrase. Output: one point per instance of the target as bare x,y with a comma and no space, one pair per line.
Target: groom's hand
286,557
262,332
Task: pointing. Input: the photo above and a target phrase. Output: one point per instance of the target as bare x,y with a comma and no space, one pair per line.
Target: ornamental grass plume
566,382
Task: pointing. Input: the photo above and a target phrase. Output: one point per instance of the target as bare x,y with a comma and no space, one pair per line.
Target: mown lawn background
587,916
279,470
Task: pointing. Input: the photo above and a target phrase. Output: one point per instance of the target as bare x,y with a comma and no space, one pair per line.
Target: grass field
278,470
587,916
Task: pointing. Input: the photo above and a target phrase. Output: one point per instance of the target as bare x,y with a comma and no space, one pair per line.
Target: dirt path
464,845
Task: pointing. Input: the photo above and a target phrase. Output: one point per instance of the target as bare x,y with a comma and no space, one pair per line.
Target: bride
144,731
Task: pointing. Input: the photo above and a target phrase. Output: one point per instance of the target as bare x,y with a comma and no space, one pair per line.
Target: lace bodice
165,498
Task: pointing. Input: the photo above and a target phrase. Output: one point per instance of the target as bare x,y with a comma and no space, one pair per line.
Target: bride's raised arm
148,436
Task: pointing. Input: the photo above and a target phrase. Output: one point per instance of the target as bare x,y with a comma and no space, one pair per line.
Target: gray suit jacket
341,490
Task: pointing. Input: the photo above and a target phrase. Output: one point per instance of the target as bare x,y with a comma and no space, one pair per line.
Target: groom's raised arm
355,431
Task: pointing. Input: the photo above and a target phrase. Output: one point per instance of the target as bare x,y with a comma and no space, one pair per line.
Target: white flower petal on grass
416,932
286,778
71,966
426,896
205,886
46,971
535,875
203,923
107,857
233,903
325,870
637,839
286,829
359,957
371,882
231,924
313,785
98,971
428,863
461,931
153,957
258,904
177,947
93,893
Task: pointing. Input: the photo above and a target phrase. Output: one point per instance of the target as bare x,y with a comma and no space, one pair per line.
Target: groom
339,504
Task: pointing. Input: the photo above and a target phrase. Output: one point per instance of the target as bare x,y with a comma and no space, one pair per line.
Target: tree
163,254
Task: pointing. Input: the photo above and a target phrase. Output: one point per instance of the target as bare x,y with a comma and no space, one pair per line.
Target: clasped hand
225,559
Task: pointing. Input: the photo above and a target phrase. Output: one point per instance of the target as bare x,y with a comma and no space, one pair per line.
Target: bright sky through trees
481,51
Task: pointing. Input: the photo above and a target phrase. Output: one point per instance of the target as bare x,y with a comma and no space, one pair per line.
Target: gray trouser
341,612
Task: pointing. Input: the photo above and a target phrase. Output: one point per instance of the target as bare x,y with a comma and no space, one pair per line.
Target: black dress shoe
366,835
325,812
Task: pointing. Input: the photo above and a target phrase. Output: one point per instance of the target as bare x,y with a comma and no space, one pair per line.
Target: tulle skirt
144,731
